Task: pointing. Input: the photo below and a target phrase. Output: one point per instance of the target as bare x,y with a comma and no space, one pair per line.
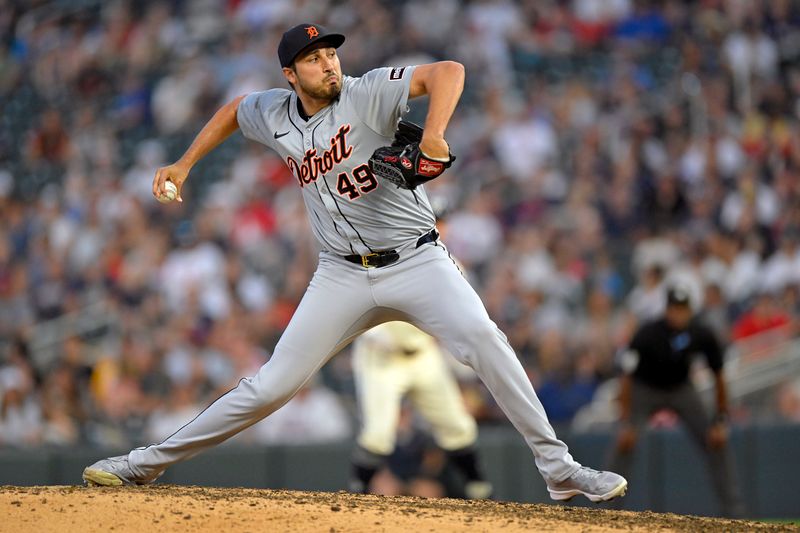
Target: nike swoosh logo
279,135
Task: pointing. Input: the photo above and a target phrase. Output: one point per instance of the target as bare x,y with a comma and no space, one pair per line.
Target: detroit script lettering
313,166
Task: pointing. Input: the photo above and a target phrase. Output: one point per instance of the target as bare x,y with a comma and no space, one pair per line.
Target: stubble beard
323,91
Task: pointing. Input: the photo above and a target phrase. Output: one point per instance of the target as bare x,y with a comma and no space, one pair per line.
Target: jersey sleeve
252,116
380,97
710,347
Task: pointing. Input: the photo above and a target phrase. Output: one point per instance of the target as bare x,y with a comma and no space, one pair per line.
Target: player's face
317,73
679,316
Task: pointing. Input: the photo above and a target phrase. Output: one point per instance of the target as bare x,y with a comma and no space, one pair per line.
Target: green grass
787,521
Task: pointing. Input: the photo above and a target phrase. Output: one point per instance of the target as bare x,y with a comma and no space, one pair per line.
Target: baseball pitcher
381,256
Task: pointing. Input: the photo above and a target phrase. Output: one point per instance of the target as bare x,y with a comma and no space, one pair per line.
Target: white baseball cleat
112,472
478,490
597,486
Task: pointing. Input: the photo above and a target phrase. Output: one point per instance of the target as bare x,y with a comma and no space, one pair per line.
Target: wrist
438,150
432,140
184,164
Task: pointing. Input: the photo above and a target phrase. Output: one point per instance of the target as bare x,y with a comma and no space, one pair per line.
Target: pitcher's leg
447,307
335,301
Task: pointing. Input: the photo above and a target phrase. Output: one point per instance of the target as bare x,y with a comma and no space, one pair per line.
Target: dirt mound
172,508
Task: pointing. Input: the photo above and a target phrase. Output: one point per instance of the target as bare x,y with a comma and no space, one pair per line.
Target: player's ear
290,74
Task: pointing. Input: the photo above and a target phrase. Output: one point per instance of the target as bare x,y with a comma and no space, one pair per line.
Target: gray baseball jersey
351,212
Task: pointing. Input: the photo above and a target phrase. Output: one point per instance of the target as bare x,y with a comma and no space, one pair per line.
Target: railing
94,321
756,365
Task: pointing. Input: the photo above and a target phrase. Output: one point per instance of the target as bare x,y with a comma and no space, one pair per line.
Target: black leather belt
387,257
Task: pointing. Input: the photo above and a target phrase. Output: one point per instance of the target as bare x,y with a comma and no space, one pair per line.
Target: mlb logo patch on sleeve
397,73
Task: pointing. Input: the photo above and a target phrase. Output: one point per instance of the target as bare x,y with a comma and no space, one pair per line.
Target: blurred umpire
656,376
394,360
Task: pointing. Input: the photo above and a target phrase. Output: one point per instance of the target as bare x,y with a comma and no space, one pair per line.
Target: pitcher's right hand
176,173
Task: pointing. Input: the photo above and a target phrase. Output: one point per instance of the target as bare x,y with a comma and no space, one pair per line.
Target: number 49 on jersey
365,182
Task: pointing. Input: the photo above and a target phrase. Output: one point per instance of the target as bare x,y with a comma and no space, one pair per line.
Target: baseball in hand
170,195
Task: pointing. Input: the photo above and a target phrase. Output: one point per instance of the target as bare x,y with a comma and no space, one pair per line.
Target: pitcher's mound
172,508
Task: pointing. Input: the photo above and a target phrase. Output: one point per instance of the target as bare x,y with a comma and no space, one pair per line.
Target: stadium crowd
605,148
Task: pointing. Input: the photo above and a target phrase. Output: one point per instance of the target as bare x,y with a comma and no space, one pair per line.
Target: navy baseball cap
297,39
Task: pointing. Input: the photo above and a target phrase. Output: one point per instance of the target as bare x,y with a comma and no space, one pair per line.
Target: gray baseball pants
343,300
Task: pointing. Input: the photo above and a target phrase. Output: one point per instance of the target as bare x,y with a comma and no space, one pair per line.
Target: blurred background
605,149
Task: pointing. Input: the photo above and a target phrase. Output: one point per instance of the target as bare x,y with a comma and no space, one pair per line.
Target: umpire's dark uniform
656,376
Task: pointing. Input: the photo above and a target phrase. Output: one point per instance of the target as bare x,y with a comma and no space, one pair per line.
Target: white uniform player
381,258
395,360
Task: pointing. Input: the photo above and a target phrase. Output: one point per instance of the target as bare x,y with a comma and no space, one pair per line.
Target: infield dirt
173,508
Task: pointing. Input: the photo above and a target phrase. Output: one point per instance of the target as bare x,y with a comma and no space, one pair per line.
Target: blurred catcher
391,361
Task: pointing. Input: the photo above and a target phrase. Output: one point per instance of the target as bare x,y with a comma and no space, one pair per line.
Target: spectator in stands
565,390
764,316
50,141
21,421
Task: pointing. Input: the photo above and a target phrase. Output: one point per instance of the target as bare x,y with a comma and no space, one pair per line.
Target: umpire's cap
297,39
678,295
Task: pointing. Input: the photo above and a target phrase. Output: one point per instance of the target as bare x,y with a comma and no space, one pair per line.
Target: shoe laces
588,473
119,461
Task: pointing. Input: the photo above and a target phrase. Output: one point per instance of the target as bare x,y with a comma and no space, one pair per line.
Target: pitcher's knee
269,395
474,337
